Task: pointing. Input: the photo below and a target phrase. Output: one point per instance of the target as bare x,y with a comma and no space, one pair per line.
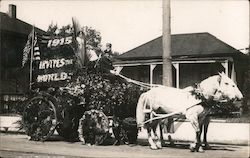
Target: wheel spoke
40,118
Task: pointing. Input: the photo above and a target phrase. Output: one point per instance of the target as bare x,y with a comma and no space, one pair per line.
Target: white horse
188,102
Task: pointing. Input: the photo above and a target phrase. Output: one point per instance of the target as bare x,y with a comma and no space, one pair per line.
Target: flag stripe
36,53
38,58
36,48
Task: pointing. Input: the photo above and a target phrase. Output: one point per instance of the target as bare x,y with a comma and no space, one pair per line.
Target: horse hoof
200,150
192,147
153,147
158,145
206,147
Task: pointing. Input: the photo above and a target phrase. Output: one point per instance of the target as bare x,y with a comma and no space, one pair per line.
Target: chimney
12,11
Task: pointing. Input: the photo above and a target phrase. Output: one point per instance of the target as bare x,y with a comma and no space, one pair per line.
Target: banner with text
53,60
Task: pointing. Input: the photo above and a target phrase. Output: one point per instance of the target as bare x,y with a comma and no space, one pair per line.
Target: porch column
225,65
152,66
177,68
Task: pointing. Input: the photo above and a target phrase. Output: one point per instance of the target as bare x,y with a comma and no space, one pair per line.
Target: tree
92,36
52,29
246,89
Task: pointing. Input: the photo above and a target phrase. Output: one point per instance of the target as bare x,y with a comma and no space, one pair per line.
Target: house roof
183,45
15,25
14,33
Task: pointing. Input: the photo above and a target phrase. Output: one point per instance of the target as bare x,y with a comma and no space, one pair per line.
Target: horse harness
206,103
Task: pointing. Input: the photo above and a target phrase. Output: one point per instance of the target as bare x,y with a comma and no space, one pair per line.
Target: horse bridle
217,90
225,99
199,95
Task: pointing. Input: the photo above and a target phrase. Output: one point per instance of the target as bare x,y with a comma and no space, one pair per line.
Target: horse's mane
209,85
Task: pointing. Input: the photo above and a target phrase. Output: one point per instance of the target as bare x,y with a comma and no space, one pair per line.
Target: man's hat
108,44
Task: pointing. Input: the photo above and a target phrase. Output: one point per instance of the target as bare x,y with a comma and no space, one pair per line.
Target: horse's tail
140,114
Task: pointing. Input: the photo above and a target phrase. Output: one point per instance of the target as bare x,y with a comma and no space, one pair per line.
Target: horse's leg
158,141
167,126
196,146
161,133
170,129
192,115
150,139
205,124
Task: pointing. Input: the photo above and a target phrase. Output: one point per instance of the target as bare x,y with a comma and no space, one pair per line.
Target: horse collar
197,92
199,95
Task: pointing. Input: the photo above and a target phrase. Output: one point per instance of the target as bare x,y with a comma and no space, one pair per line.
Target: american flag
27,49
36,49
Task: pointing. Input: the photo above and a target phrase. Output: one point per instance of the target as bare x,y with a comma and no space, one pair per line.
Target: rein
142,84
158,116
206,103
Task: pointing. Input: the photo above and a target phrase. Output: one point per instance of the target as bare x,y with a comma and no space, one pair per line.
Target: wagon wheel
93,127
39,118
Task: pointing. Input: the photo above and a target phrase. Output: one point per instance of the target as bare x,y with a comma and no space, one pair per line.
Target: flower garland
87,91
93,127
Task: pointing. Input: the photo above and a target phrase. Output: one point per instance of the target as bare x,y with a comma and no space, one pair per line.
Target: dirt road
13,145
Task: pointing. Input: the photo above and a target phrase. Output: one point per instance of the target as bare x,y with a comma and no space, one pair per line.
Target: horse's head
228,89
221,88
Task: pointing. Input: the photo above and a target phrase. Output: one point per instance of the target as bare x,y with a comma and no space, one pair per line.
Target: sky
129,23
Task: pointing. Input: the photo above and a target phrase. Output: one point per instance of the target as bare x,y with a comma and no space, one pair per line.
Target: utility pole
166,44
166,55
